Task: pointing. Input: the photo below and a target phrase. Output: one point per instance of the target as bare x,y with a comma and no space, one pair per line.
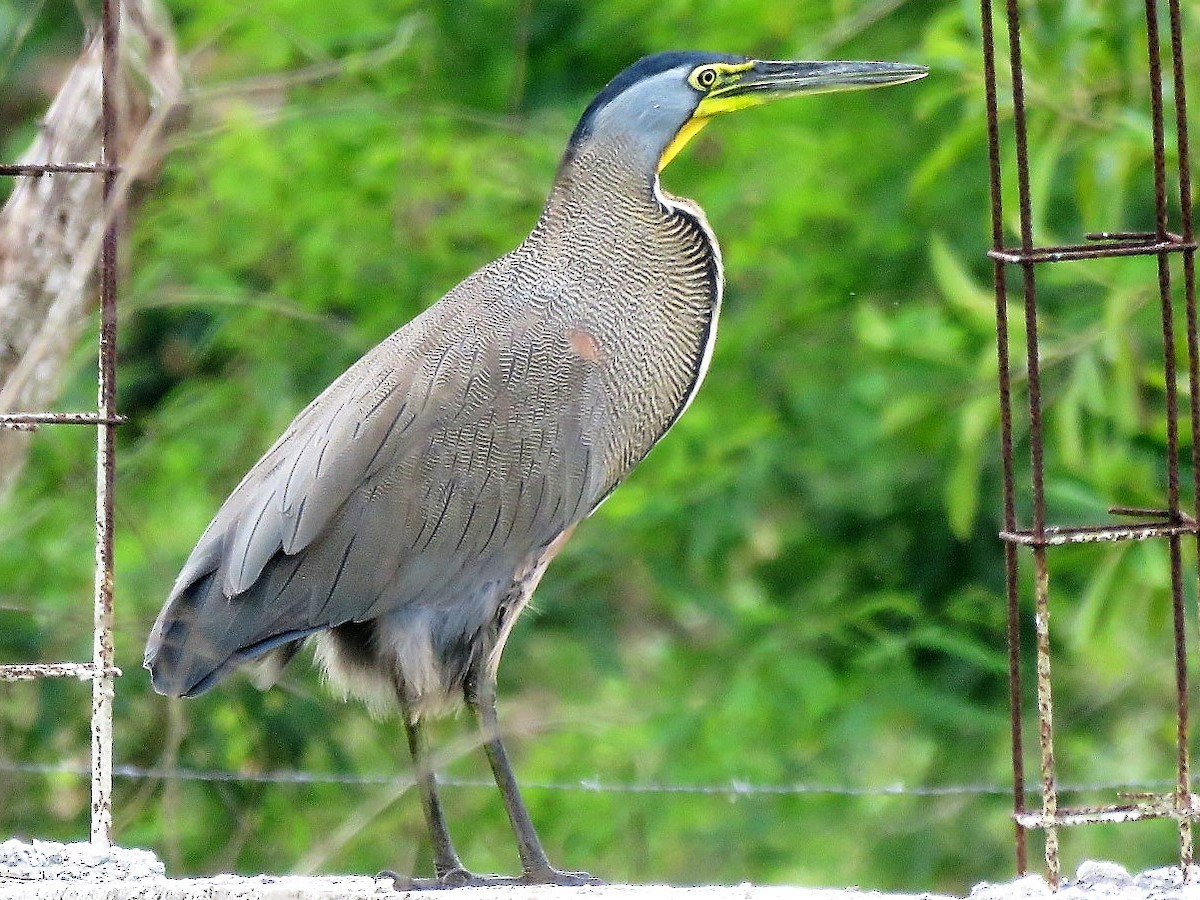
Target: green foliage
801,585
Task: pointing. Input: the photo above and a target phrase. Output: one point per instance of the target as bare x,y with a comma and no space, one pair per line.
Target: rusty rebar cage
101,671
1171,523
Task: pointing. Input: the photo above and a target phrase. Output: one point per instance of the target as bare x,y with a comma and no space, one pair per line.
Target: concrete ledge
232,887
46,870
224,887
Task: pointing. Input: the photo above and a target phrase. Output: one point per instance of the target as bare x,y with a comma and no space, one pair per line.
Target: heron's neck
604,182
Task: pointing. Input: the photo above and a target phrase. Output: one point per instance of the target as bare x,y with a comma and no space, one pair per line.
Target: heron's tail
201,635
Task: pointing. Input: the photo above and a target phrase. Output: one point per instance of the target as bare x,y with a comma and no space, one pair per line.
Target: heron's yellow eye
704,78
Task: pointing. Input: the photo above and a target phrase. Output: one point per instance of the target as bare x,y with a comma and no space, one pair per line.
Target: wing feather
337,441
389,491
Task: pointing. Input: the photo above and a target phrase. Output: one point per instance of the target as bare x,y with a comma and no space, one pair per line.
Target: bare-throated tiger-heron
403,520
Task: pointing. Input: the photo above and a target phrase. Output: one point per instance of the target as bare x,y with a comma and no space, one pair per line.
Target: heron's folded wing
332,446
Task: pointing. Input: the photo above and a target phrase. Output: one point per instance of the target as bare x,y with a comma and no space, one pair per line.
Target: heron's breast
637,331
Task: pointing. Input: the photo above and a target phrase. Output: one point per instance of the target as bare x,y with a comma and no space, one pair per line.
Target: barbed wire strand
734,787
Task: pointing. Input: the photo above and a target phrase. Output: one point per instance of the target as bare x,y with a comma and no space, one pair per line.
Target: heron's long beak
764,80
757,81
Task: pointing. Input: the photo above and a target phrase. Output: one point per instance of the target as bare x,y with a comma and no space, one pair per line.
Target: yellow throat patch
690,129
713,104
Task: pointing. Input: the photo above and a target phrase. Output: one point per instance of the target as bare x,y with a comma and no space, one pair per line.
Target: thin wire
733,788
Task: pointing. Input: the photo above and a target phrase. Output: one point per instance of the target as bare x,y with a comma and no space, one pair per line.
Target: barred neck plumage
640,272
604,187
606,204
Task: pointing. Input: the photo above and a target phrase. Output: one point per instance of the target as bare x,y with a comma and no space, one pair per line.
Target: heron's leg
536,866
450,872
445,859
528,844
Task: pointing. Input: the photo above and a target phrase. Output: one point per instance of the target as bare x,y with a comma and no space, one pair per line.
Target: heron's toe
456,878
551,875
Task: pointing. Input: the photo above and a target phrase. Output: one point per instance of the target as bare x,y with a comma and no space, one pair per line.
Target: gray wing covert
336,442
420,478
243,587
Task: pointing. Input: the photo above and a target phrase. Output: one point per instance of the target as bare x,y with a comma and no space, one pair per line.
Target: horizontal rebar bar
1130,236
36,170
1149,512
1160,806
28,420
1097,534
1073,252
30,671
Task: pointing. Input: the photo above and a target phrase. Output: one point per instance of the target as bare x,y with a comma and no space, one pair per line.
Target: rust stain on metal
1171,523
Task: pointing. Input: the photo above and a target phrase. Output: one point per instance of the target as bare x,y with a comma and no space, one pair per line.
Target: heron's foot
451,878
455,878
550,875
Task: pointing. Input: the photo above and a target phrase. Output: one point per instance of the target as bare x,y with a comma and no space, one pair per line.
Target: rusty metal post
1170,523
102,644
1041,575
1185,802
1187,235
1183,779
1004,382
101,671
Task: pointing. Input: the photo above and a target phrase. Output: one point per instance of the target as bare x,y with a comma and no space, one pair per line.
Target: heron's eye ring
706,77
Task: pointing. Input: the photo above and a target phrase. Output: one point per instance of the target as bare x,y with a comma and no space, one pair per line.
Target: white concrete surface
44,870
229,887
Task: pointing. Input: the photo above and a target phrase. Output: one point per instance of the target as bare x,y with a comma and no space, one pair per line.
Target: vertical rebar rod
102,642
1045,707
1188,235
1004,379
1041,575
1170,373
1184,799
